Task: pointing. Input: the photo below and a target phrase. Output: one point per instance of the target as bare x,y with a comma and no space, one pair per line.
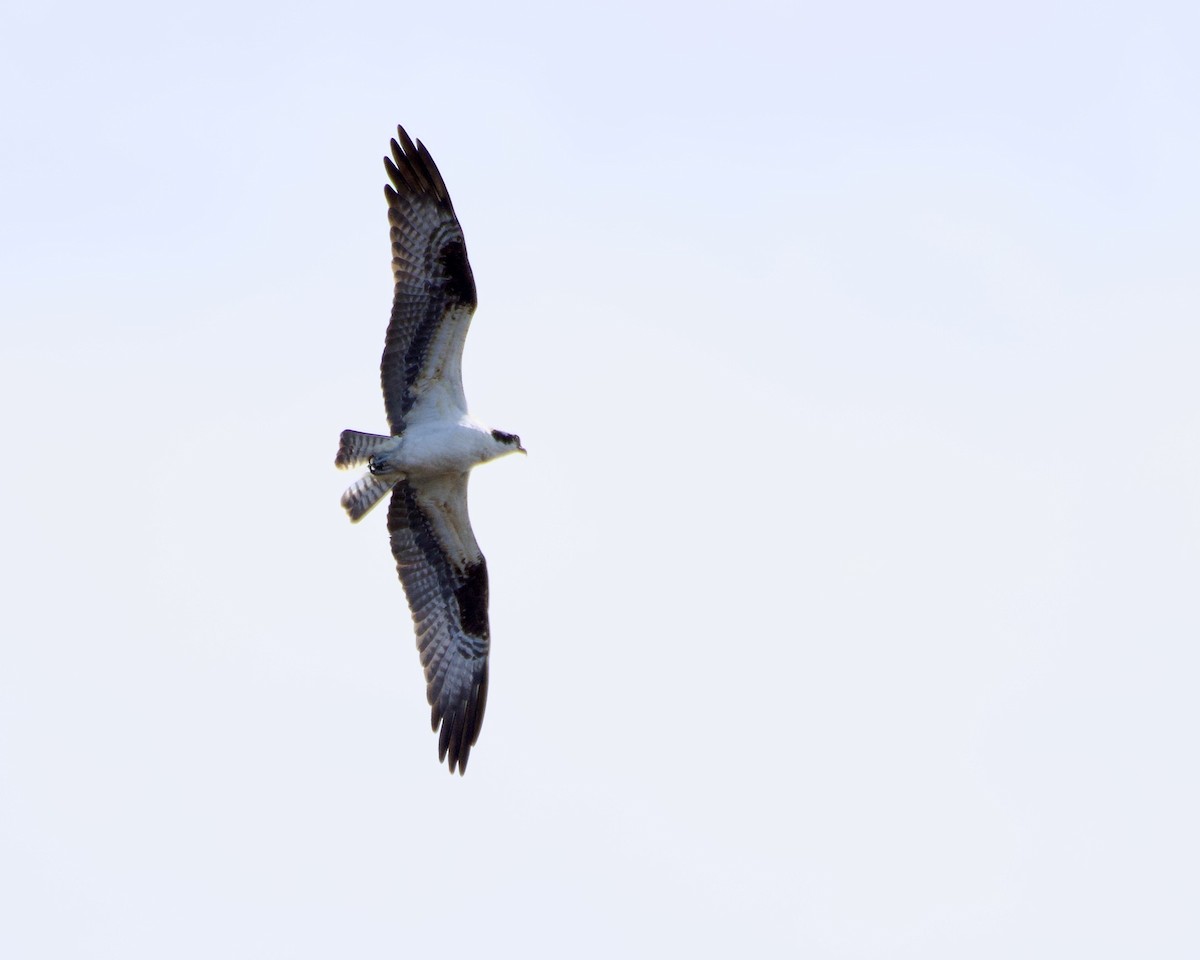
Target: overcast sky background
846,604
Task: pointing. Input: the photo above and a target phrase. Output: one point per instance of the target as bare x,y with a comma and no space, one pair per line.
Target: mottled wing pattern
435,290
445,579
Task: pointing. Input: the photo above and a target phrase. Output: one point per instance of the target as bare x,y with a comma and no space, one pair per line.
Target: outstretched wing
435,290
445,578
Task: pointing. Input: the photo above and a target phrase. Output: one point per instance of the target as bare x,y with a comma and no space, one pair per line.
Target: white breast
441,447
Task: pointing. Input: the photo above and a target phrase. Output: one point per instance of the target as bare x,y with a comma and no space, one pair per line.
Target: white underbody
435,455
439,444
438,447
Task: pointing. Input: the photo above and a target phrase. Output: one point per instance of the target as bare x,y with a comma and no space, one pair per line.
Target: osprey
433,445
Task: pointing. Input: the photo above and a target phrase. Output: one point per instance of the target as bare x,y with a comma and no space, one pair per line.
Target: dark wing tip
434,174
412,170
400,172
461,716
405,140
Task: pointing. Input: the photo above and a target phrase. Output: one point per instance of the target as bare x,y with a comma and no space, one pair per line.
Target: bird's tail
356,448
364,493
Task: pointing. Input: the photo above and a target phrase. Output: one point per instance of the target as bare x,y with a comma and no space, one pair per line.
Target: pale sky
845,606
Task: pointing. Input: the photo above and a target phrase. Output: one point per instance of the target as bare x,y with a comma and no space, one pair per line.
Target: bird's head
510,441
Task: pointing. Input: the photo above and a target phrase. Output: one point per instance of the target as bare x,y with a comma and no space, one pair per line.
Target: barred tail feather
364,493
356,448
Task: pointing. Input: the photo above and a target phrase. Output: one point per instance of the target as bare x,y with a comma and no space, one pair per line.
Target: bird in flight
432,446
